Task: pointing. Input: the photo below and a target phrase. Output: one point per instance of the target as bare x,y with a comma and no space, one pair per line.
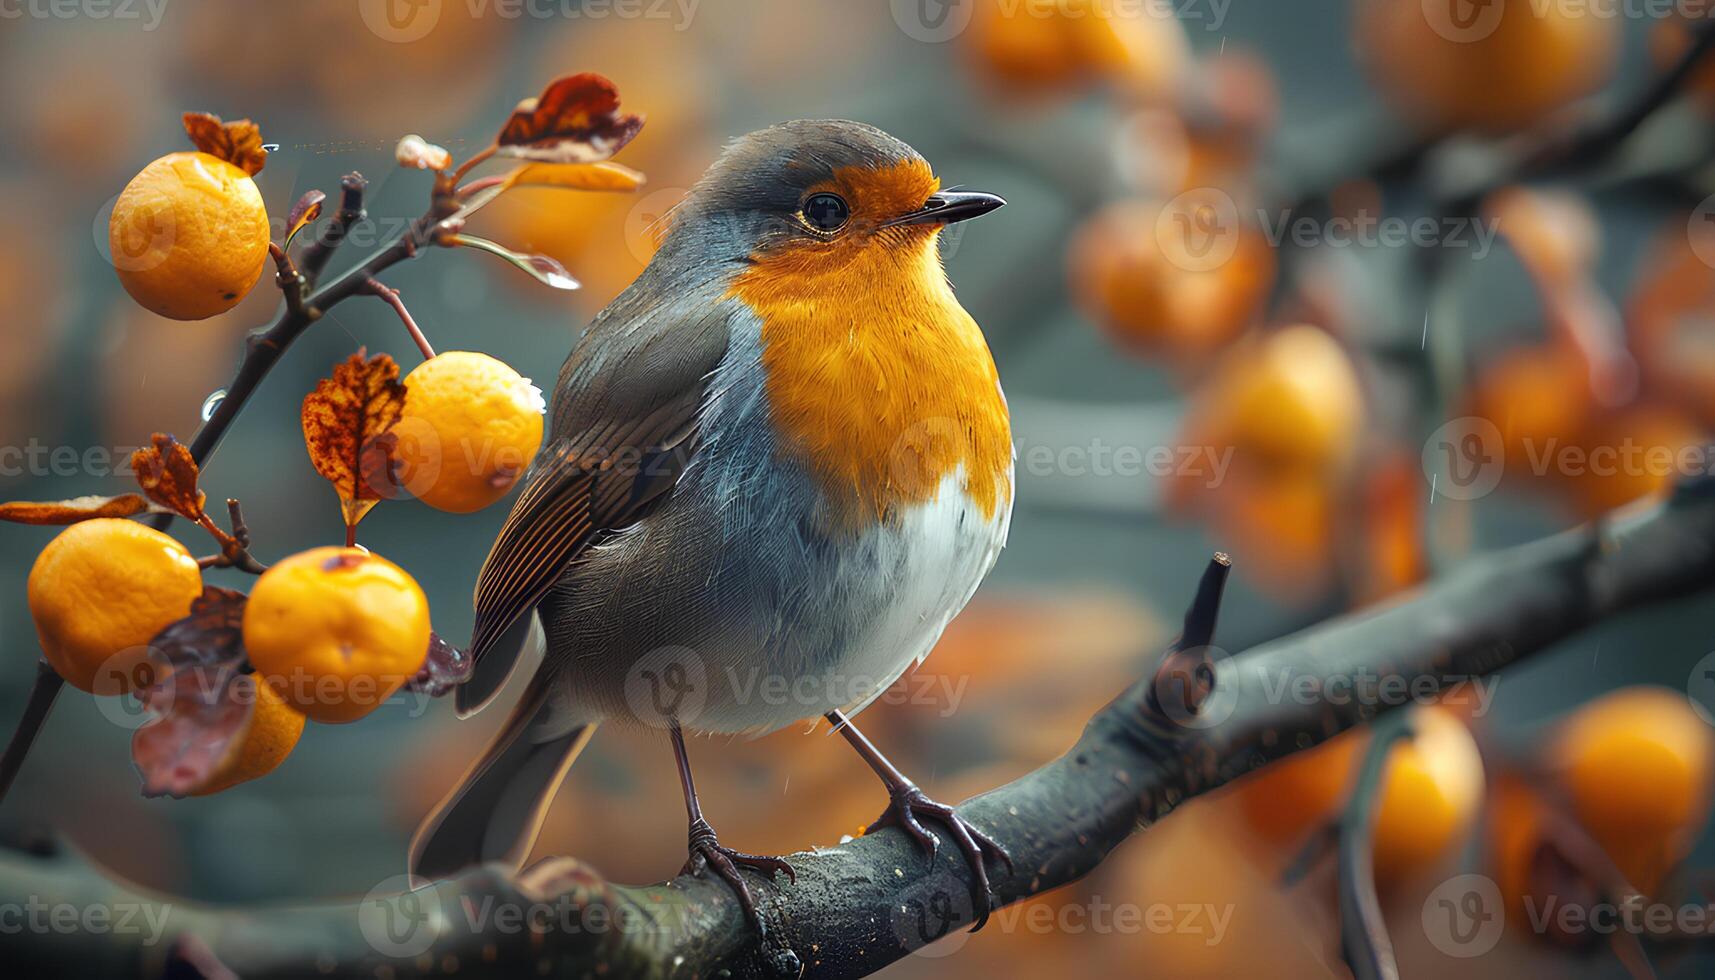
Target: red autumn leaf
211,636
199,719
238,143
168,474
576,119
74,510
345,421
308,209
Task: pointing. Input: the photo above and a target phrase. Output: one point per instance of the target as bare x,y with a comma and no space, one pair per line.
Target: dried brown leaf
345,421
168,475
212,635
199,719
576,119
76,509
238,143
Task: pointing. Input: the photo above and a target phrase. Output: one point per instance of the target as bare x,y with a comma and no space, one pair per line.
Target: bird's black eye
826,212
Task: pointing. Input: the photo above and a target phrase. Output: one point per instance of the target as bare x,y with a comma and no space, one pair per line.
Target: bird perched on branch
782,454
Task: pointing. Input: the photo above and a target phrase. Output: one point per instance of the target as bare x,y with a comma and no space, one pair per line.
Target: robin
781,453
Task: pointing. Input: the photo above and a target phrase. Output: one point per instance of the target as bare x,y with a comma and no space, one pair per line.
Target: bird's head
818,193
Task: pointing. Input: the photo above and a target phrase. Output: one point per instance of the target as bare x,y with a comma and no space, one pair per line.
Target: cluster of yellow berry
331,633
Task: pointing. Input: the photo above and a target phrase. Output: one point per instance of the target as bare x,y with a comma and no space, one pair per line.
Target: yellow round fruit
336,631
273,733
1044,45
1292,398
189,236
1430,792
470,427
104,588
1637,765
1492,66
1152,301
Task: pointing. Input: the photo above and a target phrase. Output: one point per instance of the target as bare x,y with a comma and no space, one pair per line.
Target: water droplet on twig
212,403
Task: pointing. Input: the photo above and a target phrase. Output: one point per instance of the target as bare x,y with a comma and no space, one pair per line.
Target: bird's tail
497,808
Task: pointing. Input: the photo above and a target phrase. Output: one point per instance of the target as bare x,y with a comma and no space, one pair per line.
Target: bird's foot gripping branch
229,679
1195,724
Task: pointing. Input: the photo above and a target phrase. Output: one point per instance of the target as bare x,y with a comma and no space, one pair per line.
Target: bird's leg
908,804
706,850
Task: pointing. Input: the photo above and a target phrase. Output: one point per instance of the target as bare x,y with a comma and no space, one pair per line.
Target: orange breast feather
878,380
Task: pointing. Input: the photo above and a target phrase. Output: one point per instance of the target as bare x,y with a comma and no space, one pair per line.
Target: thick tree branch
866,903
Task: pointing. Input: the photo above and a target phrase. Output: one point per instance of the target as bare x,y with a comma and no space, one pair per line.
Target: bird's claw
707,853
909,803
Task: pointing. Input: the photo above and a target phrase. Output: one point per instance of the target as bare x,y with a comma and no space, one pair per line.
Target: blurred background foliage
1324,368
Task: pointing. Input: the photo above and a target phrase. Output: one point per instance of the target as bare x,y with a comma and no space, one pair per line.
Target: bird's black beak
946,207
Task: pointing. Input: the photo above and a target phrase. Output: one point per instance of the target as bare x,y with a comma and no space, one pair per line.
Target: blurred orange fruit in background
1051,45
1429,795
1289,398
1558,440
1499,66
1636,767
1284,409
1151,299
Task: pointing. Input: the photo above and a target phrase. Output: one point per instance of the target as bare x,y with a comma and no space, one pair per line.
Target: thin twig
291,282
481,184
316,256
465,168
43,691
1364,940
391,297
1186,675
234,547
